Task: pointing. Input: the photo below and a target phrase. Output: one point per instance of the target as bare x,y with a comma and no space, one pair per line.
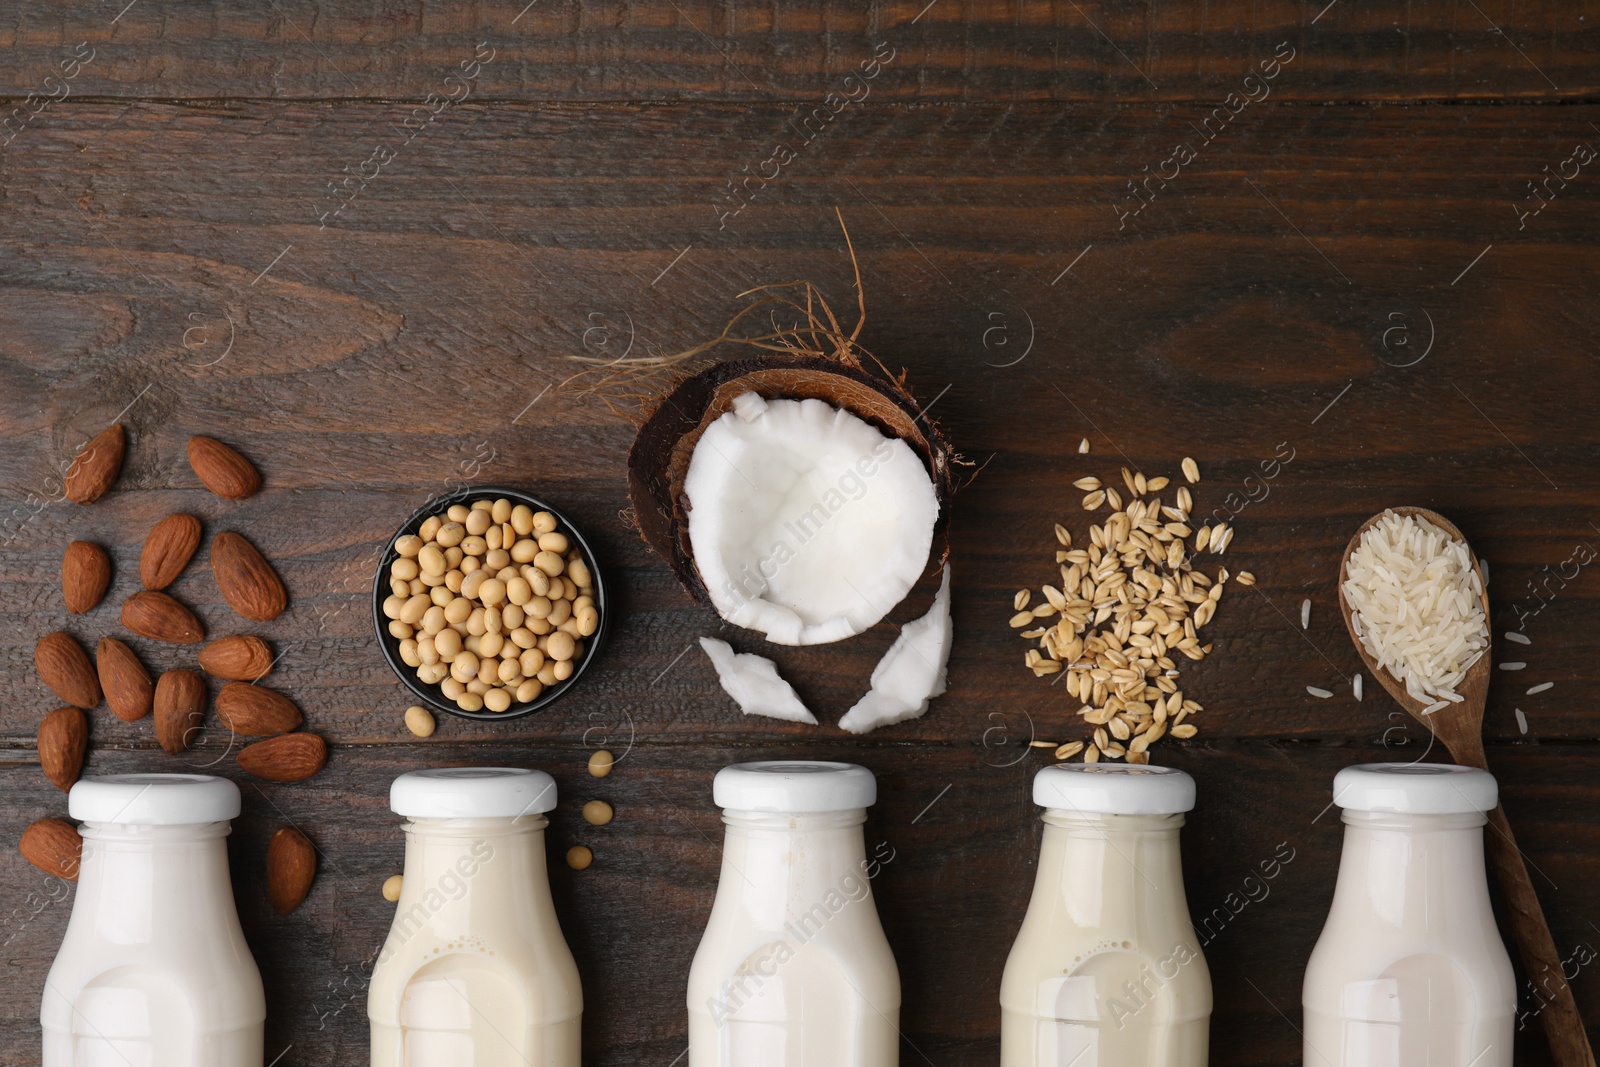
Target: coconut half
752,479
753,683
806,524
911,673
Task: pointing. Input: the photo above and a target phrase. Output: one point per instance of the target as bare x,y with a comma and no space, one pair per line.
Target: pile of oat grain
1125,604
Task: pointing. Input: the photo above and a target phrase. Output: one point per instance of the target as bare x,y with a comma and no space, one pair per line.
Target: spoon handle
1563,1028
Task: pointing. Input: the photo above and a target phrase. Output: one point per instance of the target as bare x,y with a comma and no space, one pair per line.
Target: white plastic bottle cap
472,793
153,799
1114,789
1415,788
794,786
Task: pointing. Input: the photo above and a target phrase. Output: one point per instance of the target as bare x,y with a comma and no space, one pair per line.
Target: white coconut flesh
911,673
753,683
806,523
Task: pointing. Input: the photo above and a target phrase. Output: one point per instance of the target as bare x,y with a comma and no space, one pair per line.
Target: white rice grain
1321,694
1416,606
1355,685
1517,638
1541,687
1522,721
1305,614
1512,665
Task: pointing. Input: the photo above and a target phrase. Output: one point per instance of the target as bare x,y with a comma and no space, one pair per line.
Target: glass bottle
794,969
154,970
475,971
1410,970
1106,969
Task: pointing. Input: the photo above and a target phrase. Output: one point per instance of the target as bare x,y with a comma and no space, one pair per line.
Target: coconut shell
659,459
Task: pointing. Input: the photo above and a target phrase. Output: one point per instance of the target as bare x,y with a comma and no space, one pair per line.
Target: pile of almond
176,700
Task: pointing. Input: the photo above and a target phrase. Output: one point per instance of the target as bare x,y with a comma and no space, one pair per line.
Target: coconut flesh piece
806,523
753,682
911,673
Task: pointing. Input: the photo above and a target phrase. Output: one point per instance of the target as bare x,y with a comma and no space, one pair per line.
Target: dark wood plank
951,898
963,50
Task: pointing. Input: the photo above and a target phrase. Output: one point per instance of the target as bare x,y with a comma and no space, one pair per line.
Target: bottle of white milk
1410,970
475,972
794,969
1106,969
154,970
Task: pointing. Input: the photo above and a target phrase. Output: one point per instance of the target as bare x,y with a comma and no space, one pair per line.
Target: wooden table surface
1377,258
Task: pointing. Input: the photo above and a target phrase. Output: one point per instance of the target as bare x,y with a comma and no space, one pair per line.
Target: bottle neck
435,847
152,876
776,862
1393,867
1113,871
1090,824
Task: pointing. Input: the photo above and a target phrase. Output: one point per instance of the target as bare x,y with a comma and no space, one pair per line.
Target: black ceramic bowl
430,695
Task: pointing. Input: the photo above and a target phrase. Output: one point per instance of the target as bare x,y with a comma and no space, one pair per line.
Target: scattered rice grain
1305,614
1517,638
1522,721
1512,665
1083,447
1321,694
1355,685
1541,687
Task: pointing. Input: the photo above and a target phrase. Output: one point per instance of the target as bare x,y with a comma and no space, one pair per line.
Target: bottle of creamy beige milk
154,970
1106,969
794,970
1410,970
475,972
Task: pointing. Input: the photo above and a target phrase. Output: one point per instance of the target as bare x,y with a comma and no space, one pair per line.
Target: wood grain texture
1361,298
981,50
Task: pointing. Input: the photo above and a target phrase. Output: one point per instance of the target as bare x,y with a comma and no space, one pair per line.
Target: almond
247,581
285,758
241,658
53,846
256,712
64,666
180,706
95,468
161,618
222,470
129,691
63,739
291,865
168,548
85,576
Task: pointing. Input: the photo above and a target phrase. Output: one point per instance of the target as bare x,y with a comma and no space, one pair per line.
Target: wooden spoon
1460,727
